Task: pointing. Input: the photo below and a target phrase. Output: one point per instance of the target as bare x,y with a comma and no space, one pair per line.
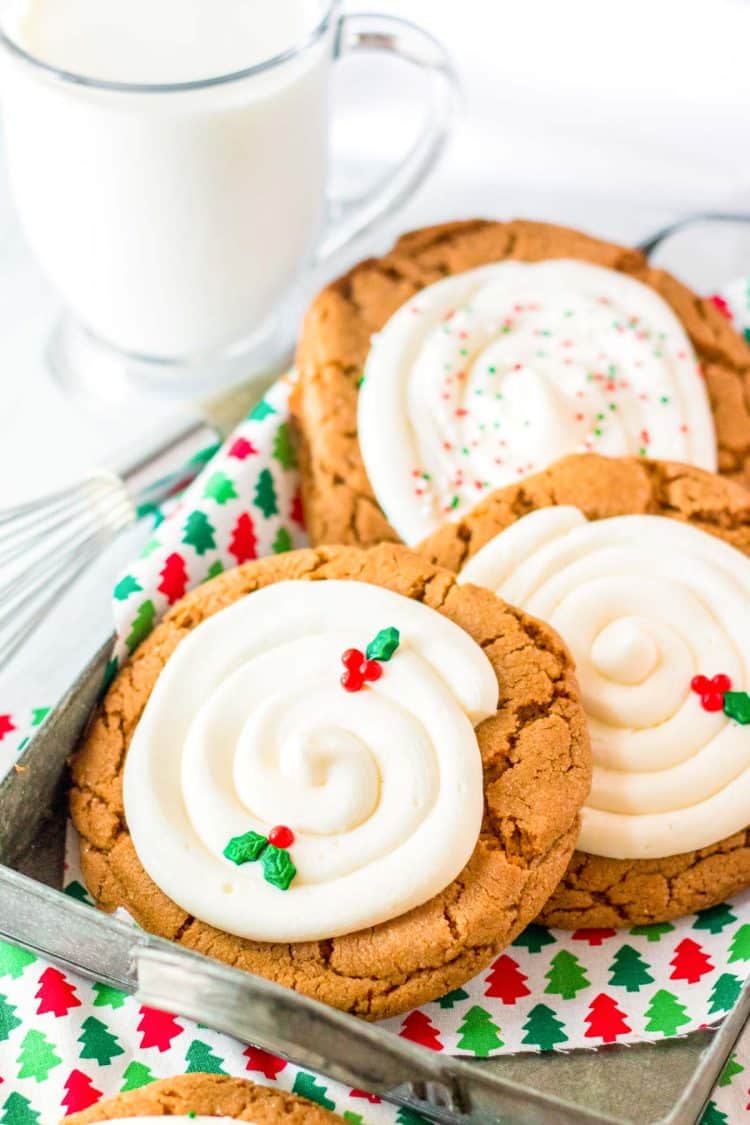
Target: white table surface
610,116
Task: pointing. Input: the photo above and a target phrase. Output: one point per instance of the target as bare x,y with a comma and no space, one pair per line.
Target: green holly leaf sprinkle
384,645
246,849
737,706
278,868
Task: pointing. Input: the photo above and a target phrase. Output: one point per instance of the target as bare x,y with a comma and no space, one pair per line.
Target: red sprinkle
353,659
352,681
281,836
711,691
371,671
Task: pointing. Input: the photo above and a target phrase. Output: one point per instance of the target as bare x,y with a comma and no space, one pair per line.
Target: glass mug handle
348,219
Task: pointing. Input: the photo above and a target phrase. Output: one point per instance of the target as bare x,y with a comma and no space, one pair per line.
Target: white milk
171,222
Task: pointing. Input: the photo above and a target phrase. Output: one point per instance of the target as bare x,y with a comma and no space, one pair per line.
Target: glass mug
172,219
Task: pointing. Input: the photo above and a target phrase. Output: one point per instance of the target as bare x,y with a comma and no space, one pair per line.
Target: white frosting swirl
645,604
249,727
493,374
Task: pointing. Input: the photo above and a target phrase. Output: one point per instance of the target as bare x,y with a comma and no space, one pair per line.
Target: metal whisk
45,544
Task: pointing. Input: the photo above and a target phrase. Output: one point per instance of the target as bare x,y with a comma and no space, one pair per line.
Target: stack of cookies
509,678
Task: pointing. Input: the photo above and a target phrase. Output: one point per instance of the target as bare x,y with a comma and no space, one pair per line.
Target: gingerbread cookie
644,569
340,770
206,1099
476,353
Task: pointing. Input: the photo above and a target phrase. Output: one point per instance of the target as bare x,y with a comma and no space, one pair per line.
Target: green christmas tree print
215,569
108,997
407,1116
534,938
13,960
77,891
37,1056
724,993
715,919
629,970
283,447
98,1042
713,1115
731,1069
543,1029
260,412
142,626
566,976
654,931
739,950
17,1111
126,587
199,532
665,1013
201,1060
283,542
453,998
307,1086
9,1021
220,488
135,1075
479,1034
265,495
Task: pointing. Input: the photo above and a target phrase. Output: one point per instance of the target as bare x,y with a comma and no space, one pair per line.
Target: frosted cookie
339,770
474,354
643,569
205,1099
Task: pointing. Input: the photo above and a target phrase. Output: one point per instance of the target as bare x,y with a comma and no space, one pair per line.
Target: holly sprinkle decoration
716,695
271,850
367,667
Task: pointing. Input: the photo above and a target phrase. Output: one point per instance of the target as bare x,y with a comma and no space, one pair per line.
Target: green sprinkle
598,431
454,503
499,395
600,417
569,312
589,377
465,451
611,371
278,869
492,370
463,351
664,399
384,646
613,406
246,849
658,354
360,381
643,452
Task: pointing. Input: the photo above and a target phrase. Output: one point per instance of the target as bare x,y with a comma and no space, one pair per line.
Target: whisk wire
46,543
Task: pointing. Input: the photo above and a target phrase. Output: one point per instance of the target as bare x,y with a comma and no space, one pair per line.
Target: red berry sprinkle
372,671
711,691
352,680
353,659
281,836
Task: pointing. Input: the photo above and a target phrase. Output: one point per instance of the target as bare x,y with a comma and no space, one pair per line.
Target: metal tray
667,1083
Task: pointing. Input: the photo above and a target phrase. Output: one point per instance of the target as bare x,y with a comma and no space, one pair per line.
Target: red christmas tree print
158,1029
689,963
373,1099
263,1062
506,981
418,1029
243,545
80,1092
6,726
593,937
174,579
55,994
241,449
606,1021
296,513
